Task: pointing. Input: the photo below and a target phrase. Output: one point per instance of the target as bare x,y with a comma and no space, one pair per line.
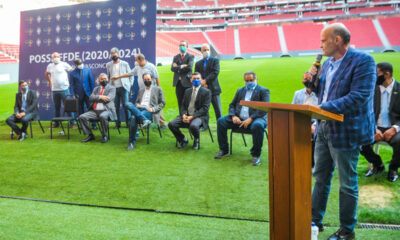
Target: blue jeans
326,158
121,96
135,119
257,129
58,99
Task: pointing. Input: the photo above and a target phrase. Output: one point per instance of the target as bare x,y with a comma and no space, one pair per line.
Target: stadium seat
390,26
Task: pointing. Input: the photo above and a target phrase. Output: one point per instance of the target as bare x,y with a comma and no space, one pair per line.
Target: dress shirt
333,67
244,112
389,89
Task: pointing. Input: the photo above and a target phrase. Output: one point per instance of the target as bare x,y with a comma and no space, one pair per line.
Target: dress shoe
88,139
131,146
393,176
196,144
256,161
183,143
221,154
104,140
375,170
342,234
320,227
22,136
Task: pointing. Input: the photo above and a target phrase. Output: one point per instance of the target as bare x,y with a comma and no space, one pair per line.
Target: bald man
345,85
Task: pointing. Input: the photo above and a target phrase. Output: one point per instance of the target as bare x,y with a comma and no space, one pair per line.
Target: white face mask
206,54
56,60
80,66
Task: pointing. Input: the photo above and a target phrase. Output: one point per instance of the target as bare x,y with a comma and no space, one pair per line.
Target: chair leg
209,130
266,133
148,134
30,126
62,126
244,140
159,130
230,147
141,130
40,124
119,130
68,129
12,134
79,126
108,130
51,129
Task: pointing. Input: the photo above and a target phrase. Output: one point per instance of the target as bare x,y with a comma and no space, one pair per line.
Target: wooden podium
289,155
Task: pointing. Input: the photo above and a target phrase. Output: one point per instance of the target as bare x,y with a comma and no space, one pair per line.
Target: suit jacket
110,106
157,101
210,74
31,104
201,104
183,74
81,82
123,68
350,93
260,94
394,105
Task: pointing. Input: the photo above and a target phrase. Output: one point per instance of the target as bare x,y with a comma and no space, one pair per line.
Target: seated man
102,108
25,110
387,116
306,96
244,117
194,112
149,103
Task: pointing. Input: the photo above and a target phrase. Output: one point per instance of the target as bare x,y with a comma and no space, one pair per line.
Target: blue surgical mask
182,49
24,89
196,82
250,85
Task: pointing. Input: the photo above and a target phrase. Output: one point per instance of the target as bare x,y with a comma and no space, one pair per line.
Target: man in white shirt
387,116
123,85
57,78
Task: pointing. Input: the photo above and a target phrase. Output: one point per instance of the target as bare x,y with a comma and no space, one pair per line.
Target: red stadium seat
302,36
391,28
267,39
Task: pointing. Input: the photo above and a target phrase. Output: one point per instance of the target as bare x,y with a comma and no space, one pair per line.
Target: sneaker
256,161
221,154
22,137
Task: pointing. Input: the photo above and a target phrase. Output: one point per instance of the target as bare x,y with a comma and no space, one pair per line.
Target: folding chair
70,106
30,126
242,131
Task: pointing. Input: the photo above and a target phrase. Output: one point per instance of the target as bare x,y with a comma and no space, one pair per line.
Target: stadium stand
302,36
223,41
259,39
390,26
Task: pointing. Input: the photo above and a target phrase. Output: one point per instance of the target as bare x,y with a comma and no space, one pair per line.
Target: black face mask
380,80
115,58
147,83
104,83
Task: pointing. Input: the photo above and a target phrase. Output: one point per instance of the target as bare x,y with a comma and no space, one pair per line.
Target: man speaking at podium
345,85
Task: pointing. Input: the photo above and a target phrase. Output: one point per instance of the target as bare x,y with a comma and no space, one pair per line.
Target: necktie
24,102
385,109
191,104
183,56
95,103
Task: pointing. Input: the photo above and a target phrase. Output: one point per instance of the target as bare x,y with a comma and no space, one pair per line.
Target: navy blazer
201,104
210,74
351,93
260,94
81,82
31,104
182,74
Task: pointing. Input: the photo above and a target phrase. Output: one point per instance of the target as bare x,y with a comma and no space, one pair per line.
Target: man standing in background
182,66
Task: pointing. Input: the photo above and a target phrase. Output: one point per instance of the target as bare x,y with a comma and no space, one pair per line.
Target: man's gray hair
339,29
103,74
140,57
114,50
250,73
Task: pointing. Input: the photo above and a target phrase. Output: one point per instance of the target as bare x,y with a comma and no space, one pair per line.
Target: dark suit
182,76
31,111
257,126
102,115
201,105
210,75
81,84
394,116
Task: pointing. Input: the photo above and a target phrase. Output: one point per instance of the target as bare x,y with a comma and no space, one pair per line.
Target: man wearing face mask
57,78
387,116
208,67
101,109
149,103
122,85
244,117
143,66
194,113
182,66
25,110
81,85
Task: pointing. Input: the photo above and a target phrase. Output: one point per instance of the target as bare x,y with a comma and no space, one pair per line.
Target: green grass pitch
159,176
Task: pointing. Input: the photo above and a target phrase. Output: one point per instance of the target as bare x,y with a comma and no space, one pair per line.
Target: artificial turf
158,175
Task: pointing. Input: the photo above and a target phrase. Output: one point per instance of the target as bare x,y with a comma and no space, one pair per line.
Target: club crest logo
143,21
130,10
120,10
38,42
98,13
143,7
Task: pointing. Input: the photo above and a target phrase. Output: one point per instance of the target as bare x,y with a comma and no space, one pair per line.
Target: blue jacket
260,94
351,93
81,82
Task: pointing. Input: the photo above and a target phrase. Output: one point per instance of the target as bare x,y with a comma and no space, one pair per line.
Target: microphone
317,66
